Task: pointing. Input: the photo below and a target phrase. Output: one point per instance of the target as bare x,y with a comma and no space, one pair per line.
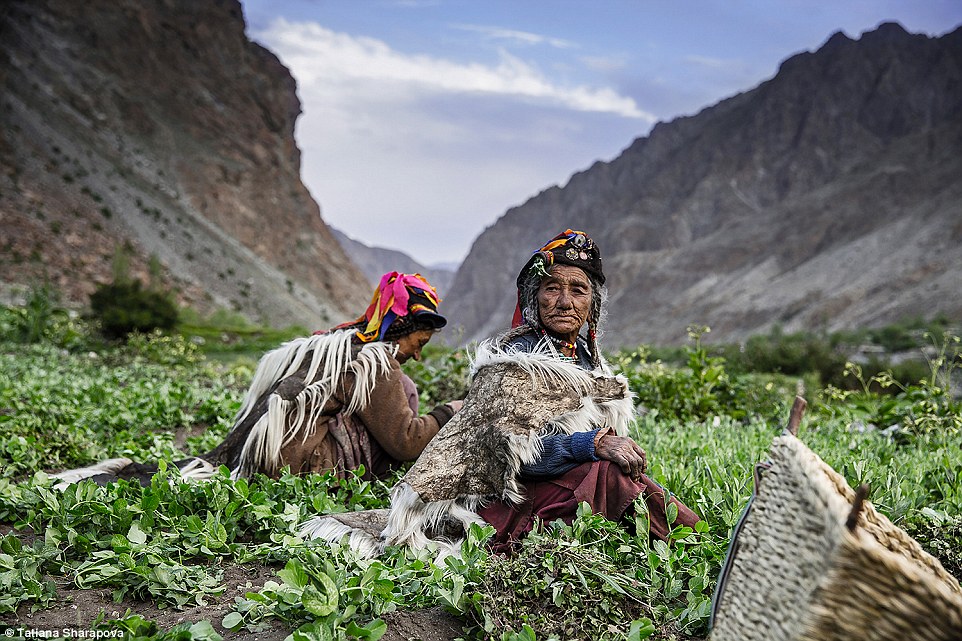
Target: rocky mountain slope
827,197
159,127
374,262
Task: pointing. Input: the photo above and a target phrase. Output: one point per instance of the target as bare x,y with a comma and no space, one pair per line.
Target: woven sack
798,571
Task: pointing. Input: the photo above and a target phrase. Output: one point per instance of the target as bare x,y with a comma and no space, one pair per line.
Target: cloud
513,35
317,55
420,153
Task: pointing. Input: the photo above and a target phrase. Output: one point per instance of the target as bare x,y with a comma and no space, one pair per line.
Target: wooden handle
861,494
795,418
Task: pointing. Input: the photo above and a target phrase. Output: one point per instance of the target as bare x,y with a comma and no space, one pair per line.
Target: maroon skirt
601,485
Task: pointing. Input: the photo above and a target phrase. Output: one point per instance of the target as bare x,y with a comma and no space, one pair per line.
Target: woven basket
797,572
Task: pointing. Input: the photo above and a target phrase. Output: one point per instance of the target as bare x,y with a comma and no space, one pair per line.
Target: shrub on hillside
908,334
125,307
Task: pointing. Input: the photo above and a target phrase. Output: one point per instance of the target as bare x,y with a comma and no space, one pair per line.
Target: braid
599,295
528,299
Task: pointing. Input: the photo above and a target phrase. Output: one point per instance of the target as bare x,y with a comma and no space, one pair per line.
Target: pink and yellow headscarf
398,295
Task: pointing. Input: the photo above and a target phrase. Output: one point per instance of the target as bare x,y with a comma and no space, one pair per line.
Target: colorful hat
571,247
398,296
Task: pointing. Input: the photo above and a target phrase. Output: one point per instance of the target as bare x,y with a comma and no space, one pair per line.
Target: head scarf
398,298
570,247
574,248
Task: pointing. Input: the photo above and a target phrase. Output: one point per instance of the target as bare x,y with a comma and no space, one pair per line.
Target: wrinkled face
410,346
564,301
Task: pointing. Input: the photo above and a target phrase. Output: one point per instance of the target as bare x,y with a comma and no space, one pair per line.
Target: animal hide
303,374
515,398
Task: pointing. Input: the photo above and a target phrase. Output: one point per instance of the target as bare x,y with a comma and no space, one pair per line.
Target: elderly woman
560,293
339,400
335,401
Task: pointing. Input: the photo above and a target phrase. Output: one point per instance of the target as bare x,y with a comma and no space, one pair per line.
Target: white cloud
319,55
420,153
513,35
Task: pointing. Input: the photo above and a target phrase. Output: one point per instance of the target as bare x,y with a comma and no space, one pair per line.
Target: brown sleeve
391,421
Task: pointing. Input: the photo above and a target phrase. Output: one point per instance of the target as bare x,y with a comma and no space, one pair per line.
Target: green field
68,399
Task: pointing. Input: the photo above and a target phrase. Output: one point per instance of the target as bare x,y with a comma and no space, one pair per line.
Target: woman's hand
625,452
456,405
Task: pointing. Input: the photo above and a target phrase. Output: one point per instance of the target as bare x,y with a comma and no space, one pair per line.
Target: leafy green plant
701,390
160,348
912,410
136,628
329,593
317,599
940,535
61,410
440,376
21,574
125,307
594,579
41,319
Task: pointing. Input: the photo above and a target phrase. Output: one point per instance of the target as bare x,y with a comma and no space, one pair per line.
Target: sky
424,121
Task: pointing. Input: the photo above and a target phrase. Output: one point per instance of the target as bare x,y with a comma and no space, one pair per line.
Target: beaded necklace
561,343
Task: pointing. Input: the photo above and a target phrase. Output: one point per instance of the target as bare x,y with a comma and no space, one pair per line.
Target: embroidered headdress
570,247
400,302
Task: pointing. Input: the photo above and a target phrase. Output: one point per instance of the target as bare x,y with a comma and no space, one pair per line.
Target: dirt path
77,609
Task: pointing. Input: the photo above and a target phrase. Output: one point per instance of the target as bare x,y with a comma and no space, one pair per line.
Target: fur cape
515,398
314,368
291,391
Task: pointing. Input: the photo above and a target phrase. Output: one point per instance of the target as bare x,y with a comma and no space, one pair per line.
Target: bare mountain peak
820,199
890,33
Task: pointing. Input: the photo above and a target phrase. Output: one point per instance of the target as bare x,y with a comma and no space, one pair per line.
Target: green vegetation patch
68,399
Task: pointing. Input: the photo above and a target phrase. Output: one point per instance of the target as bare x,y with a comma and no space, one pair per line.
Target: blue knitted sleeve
561,453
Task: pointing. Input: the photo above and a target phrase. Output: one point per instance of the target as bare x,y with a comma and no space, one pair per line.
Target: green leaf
320,602
135,535
203,631
372,631
233,621
293,574
640,629
671,511
314,631
119,543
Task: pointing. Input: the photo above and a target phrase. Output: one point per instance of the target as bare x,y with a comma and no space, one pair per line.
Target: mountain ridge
160,130
760,209
376,261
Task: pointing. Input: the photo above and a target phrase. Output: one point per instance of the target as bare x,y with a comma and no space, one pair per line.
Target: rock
161,127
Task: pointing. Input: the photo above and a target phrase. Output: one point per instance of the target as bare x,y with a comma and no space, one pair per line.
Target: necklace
557,341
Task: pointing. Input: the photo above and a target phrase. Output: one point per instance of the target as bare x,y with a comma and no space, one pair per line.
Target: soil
77,609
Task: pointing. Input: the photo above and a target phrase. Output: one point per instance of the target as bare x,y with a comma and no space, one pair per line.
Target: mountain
377,261
828,197
160,129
